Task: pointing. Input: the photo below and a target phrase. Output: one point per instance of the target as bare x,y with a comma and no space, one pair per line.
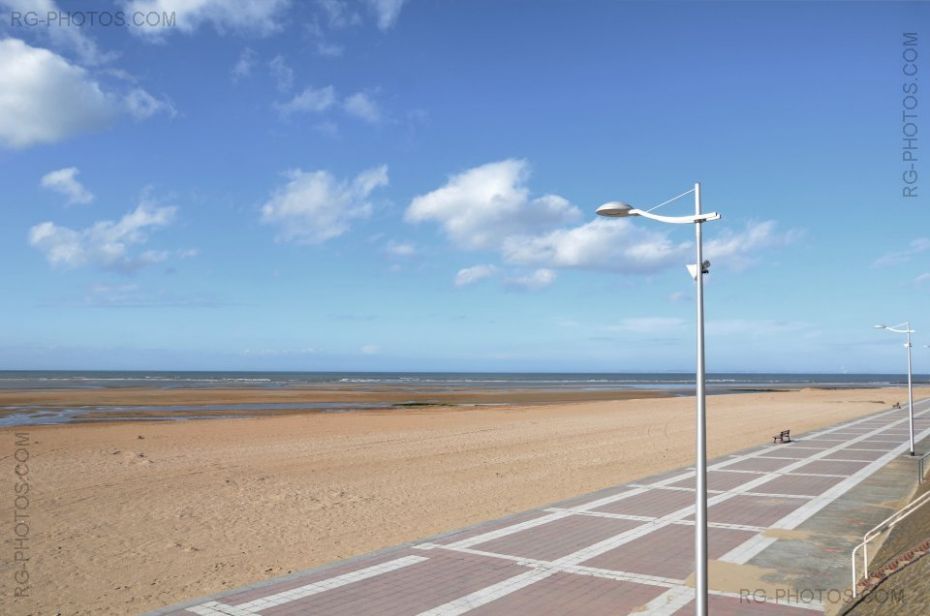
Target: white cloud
282,73
313,206
370,349
248,16
329,50
327,127
915,247
60,35
386,11
922,279
736,249
400,249
623,246
106,243
309,100
141,105
614,245
482,206
65,182
533,281
244,65
339,14
34,85
363,106
490,208
473,274
323,46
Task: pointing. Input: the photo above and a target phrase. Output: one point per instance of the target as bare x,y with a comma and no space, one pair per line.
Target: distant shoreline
33,407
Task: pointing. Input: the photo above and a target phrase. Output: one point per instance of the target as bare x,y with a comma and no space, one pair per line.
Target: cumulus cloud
246,16
244,65
401,249
897,257
532,281
329,50
141,105
600,244
339,14
65,182
490,208
623,246
363,106
481,207
324,47
60,35
737,250
386,12
335,16
313,206
34,82
107,243
473,274
309,100
282,73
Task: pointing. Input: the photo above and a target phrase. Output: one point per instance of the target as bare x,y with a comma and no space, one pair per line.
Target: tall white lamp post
621,209
910,388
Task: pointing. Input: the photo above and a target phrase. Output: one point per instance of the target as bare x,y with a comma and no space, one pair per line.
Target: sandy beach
130,516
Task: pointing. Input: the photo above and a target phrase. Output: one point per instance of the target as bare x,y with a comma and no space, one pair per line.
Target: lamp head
616,209
880,326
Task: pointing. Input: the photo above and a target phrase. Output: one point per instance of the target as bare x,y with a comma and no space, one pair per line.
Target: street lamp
619,209
910,389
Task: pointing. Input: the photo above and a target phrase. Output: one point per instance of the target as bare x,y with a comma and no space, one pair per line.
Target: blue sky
410,185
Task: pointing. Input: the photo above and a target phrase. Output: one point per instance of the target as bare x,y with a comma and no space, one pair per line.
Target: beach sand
127,517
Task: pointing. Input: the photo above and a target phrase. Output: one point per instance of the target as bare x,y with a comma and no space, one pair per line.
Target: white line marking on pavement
743,553
669,602
252,608
491,593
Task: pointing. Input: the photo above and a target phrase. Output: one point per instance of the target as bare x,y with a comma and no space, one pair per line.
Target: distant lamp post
910,388
619,209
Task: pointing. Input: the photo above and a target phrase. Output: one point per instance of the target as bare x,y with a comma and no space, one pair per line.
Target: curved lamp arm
895,328
676,220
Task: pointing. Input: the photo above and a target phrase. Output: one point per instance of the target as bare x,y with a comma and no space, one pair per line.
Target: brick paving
623,550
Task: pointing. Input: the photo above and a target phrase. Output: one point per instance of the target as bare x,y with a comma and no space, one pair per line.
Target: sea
673,383
571,381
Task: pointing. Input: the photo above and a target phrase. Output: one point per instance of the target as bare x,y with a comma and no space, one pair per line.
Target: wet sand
295,395
130,516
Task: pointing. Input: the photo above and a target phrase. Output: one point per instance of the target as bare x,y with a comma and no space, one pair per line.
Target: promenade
782,519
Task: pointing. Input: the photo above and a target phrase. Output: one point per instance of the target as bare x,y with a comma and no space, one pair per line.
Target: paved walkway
627,549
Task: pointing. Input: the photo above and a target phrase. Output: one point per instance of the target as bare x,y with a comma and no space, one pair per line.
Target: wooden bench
784,436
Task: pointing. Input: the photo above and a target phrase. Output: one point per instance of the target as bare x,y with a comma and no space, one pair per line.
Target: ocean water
673,383
14,379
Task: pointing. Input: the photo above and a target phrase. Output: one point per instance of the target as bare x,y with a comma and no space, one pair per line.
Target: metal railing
922,467
886,525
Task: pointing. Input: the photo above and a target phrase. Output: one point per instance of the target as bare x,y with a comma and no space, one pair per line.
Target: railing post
865,560
855,579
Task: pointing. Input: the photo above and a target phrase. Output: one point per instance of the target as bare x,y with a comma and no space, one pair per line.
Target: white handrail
887,524
921,466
